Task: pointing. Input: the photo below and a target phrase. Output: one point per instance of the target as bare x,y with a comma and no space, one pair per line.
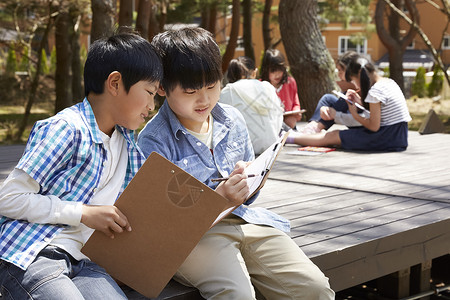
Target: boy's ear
161,91
113,83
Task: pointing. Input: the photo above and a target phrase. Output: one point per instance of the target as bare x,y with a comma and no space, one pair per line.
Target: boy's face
192,107
132,108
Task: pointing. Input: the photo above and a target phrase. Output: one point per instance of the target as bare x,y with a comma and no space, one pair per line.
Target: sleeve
20,199
346,119
249,154
377,94
49,148
295,99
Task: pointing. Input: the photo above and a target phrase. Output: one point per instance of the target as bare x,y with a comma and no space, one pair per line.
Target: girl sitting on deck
386,129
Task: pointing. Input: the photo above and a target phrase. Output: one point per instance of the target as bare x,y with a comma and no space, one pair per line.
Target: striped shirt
65,155
393,104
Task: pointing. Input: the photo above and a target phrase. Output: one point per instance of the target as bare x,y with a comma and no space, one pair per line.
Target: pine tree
437,82
44,65
11,62
25,60
419,85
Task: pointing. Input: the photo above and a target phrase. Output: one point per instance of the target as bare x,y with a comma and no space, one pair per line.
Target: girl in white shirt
256,100
386,129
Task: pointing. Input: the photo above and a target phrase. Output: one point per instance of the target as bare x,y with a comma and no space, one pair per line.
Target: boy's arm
19,199
49,148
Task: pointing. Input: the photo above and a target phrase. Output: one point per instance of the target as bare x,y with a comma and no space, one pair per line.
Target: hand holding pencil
234,187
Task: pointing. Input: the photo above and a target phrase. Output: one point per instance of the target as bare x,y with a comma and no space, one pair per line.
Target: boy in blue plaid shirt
74,167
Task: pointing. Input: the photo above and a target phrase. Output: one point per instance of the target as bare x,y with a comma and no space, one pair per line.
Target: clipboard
169,211
343,96
261,167
292,112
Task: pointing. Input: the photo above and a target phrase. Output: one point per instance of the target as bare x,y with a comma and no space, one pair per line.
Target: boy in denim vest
207,139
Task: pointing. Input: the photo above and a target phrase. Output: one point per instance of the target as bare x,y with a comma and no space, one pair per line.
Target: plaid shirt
65,155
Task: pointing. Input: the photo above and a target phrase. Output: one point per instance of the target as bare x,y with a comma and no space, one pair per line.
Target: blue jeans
329,100
54,274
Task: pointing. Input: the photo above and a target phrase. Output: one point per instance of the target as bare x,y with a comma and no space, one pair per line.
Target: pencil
226,178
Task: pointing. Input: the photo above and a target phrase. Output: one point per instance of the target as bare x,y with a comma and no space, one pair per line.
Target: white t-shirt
259,104
393,104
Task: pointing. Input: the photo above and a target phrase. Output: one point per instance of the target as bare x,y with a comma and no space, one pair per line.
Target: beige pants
234,256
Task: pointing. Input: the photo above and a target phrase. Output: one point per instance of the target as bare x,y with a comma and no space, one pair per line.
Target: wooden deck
358,216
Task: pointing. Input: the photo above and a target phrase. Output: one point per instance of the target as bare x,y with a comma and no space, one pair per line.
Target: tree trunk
103,14
212,18
77,89
126,13
143,17
63,76
310,62
234,33
266,25
35,82
436,53
247,13
392,39
153,24
204,16
163,14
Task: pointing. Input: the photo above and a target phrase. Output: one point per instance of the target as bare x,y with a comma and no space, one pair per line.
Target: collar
87,114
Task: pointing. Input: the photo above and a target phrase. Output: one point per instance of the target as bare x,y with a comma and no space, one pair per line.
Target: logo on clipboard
183,190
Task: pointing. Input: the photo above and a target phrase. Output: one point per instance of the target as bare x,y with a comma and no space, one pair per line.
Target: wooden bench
362,216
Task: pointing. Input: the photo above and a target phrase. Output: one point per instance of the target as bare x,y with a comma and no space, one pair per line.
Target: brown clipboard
169,211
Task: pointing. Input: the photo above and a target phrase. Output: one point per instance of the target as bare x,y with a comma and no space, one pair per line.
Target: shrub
437,82
25,60
44,65
11,62
419,85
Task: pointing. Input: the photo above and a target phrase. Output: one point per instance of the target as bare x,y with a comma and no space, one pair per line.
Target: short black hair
273,60
125,52
241,67
190,56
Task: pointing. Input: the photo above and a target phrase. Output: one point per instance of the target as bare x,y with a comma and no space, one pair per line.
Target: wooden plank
343,221
9,156
355,233
363,262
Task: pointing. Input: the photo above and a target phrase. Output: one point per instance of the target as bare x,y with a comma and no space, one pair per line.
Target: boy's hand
105,218
235,189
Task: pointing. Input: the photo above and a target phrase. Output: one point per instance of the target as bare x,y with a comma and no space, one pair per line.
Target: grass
418,108
11,116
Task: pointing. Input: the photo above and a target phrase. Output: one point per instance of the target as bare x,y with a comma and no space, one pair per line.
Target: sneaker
310,128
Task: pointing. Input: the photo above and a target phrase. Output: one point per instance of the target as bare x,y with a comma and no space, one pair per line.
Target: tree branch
424,37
